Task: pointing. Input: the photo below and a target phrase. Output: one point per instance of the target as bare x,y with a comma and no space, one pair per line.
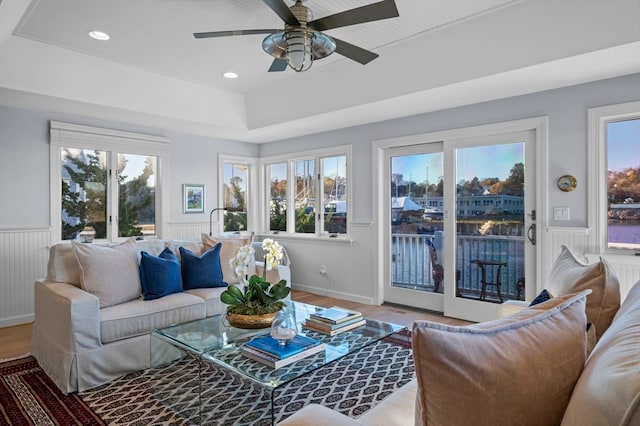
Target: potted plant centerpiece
258,303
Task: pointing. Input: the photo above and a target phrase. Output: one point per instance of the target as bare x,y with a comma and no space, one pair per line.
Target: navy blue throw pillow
201,271
542,297
160,275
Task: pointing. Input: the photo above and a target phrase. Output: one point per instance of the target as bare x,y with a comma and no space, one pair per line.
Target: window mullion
319,197
112,196
291,197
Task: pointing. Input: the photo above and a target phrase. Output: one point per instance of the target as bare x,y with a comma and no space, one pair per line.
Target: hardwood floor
16,340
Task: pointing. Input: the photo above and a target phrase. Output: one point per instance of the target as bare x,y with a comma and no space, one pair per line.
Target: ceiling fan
302,41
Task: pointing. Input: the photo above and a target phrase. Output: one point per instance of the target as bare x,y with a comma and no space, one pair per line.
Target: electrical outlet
323,270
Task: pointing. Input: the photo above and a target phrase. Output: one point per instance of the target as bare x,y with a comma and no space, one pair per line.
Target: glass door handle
531,234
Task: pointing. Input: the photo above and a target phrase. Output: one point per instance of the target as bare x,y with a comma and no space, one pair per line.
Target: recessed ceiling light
99,35
230,74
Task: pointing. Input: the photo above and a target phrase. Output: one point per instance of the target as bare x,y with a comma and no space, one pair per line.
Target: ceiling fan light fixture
323,45
299,50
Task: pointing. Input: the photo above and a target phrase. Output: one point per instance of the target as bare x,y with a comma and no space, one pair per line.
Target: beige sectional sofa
533,367
87,333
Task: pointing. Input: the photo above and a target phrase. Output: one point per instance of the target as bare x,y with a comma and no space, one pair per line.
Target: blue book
269,345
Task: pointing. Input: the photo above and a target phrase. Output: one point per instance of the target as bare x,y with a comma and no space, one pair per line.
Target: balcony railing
412,266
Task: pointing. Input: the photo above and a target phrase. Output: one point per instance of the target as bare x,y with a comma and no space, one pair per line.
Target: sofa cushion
211,297
570,275
201,271
230,246
138,317
63,265
522,367
195,247
160,275
110,272
398,409
608,391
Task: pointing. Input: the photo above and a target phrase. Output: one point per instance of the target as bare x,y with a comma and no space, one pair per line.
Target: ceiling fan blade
283,11
354,52
232,33
278,65
372,12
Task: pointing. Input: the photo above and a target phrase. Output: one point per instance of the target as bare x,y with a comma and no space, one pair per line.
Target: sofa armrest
67,315
511,307
318,415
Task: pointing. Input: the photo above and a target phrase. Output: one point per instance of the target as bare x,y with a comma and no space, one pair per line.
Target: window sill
624,256
341,240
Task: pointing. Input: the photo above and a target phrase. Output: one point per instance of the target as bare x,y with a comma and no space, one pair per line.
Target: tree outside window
86,197
235,196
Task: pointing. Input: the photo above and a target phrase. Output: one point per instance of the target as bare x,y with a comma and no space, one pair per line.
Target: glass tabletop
217,342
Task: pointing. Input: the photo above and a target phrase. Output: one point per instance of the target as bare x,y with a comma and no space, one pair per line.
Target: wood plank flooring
16,340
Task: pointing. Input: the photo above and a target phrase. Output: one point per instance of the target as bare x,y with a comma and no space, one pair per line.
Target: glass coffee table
214,343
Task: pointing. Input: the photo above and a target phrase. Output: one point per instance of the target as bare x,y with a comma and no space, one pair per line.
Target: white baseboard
21,319
337,294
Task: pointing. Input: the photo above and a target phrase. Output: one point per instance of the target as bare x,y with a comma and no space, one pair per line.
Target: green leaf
280,290
235,292
230,299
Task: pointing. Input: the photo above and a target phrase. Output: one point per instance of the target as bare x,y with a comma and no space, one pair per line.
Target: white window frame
252,182
68,135
598,169
290,159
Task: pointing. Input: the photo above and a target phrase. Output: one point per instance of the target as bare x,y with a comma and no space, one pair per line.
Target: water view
627,233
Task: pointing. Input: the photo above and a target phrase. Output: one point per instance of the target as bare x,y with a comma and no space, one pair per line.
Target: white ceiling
437,54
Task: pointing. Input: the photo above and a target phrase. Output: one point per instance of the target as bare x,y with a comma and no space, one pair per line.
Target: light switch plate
561,213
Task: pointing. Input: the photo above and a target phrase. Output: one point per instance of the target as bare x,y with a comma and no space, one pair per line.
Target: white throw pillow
111,273
570,275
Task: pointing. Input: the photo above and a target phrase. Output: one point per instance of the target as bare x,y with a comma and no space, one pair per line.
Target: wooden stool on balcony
483,265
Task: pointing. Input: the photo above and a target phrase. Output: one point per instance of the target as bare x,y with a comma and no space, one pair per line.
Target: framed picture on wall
193,196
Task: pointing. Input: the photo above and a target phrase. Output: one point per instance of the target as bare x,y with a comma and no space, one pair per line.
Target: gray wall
24,166
567,112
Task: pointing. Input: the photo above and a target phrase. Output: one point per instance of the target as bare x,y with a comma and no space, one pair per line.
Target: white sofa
533,367
81,345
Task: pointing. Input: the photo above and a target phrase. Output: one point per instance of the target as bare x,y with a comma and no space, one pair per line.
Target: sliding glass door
460,223
415,240
491,210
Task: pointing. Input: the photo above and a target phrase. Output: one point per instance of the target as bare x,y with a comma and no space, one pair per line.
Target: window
314,188
277,178
236,178
614,134
105,184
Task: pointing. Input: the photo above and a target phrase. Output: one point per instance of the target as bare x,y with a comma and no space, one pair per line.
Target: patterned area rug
169,395
29,397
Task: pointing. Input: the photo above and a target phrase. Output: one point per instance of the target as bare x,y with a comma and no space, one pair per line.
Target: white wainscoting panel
188,231
23,259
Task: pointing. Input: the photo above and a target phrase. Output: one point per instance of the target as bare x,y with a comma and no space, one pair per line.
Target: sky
481,162
623,143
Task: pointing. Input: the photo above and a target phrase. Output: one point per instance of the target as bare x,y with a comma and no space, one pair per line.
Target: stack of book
266,350
334,321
